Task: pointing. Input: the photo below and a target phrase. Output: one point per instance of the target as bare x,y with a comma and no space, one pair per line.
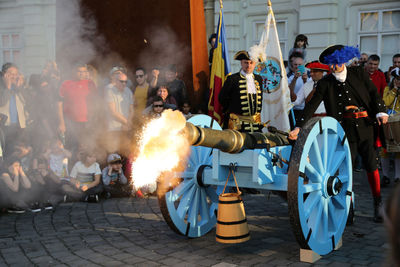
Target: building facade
27,27
372,25
27,33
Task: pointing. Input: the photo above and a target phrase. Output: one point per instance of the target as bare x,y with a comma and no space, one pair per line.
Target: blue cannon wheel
188,206
320,185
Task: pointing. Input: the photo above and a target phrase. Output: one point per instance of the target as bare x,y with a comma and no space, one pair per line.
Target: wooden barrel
231,219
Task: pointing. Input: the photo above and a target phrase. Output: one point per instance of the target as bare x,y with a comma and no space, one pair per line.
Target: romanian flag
220,69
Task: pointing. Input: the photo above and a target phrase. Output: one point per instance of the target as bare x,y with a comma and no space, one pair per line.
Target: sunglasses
139,76
158,106
123,81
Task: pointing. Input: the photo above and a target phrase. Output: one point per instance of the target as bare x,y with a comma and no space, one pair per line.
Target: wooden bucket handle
234,178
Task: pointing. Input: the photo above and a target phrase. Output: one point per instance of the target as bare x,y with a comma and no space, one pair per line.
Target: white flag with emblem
276,94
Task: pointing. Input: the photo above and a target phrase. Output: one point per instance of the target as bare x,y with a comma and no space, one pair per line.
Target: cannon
315,174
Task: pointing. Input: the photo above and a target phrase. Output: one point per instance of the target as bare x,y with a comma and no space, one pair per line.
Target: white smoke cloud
77,36
164,48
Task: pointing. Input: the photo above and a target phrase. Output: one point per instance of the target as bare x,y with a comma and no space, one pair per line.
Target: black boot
377,210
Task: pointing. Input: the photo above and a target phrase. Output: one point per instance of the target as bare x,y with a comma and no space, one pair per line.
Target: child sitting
114,180
86,176
57,157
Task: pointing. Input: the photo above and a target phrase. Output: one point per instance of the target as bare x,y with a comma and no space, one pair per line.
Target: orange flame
162,148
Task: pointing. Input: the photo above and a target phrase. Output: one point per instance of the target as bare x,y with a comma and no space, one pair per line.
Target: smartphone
301,69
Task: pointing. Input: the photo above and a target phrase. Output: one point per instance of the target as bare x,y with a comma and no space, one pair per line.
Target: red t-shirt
378,78
75,96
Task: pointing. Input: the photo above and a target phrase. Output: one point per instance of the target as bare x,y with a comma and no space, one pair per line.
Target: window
281,26
379,33
10,48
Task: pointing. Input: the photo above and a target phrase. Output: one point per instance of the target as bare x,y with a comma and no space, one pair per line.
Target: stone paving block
147,264
339,264
184,264
206,262
45,260
170,261
134,260
121,256
321,262
36,254
69,258
224,264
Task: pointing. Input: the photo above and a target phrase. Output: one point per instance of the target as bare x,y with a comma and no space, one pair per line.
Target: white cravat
251,87
341,76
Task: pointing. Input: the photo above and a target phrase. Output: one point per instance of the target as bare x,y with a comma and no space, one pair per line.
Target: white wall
325,22
35,21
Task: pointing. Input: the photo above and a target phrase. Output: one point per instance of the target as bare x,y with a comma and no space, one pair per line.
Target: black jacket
235,99
359,88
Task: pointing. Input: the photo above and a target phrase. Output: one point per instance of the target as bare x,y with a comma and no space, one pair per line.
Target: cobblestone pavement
132,232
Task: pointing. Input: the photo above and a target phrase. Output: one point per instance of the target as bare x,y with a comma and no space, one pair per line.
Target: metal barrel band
232,237
230,202
232,223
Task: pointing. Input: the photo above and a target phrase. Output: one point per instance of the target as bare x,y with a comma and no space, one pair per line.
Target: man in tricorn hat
241,97
352,99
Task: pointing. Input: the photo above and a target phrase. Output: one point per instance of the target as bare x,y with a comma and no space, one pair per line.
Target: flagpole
269,3
221,5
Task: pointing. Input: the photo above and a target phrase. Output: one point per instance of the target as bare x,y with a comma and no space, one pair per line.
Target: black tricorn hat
328,51
242,55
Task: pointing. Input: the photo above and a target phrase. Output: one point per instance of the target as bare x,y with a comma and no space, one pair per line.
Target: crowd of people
73,140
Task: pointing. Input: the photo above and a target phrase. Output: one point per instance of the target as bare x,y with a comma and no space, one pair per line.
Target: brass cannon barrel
230,141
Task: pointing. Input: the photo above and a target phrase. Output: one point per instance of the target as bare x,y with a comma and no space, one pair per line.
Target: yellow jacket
389,97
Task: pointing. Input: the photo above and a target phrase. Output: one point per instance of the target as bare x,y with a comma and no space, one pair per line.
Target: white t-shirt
59,165
83,174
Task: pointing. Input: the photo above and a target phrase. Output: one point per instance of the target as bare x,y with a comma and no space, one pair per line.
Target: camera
301,69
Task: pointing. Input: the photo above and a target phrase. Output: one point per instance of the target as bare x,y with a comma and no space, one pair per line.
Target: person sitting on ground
23,152
57,157
114,181
55,190
186,110
45,184
86,176
14,184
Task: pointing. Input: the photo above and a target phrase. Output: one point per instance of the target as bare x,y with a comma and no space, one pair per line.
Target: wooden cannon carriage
315,174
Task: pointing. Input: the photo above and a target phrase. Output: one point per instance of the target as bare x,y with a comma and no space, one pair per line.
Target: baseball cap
113,158
117,68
